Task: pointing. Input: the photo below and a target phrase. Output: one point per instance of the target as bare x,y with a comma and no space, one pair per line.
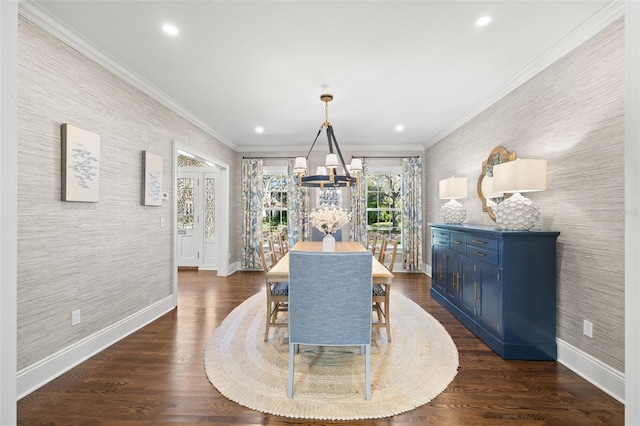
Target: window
384,204
274,202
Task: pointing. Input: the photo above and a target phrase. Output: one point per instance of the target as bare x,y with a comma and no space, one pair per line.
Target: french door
196,218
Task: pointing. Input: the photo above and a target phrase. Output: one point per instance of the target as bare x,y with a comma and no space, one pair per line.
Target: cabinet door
468,285
452,281
439,268
490,297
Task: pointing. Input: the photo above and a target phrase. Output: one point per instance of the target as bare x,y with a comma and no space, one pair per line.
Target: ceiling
236,65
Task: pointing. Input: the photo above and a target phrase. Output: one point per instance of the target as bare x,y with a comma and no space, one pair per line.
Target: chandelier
327,175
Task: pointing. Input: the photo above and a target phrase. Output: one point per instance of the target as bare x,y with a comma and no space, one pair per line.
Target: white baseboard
40,373
599,374
427,269
232,268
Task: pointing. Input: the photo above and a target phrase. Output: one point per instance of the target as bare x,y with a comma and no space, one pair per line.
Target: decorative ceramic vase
328,243
517,213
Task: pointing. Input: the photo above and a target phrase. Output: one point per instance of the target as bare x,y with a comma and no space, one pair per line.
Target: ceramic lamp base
328,243
517,213
453,213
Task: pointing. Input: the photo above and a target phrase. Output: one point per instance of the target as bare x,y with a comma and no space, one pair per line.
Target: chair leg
367,371
266,330
387,320
379,312
292,351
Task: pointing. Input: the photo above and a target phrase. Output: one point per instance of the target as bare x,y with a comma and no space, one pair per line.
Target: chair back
267,253
372,242
330,298
388,251
318,235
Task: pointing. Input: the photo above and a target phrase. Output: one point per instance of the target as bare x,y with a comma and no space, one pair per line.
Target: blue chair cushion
378,290
280,289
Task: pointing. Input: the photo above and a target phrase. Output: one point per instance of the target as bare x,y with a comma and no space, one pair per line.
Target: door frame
221,214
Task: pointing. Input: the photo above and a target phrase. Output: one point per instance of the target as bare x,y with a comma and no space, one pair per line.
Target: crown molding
605,17
41,17
346,148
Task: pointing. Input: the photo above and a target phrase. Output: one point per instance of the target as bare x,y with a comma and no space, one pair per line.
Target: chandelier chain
326,113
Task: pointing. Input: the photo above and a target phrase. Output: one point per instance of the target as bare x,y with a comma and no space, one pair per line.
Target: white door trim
222,216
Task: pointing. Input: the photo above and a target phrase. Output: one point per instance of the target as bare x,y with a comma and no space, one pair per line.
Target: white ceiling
240,64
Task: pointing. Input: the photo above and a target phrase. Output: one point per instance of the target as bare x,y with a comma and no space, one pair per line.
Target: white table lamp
518,212
453,188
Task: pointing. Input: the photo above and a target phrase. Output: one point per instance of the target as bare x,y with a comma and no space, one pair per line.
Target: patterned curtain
412,214
252,213
298,208
359,208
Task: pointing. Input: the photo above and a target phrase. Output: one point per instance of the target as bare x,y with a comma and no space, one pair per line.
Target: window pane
210,208
384,205
274,202
185,203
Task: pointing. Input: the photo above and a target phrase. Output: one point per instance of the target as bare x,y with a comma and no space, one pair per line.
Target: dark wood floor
156,375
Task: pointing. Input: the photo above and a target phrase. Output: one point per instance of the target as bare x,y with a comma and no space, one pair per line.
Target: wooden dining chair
388,251
373,241
283,242
381,292
277,246
277,293
330,305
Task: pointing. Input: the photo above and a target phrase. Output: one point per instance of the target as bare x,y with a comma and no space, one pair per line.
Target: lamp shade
520,176
321,170
487,188
453,188
300,165
331,161
356,165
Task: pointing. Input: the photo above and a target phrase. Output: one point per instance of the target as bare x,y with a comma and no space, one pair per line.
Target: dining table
280,271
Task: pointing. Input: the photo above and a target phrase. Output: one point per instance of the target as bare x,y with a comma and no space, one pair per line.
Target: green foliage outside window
384,204
274,202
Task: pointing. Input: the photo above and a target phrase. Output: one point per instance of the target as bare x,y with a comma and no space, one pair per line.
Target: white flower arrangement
328,219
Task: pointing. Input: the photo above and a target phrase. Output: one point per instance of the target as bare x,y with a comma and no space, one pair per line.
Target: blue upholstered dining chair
330,299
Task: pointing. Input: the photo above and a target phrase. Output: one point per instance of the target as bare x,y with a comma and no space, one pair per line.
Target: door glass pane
185,203
210,207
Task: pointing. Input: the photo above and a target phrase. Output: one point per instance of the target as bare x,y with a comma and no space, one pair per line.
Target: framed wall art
151,179
80,165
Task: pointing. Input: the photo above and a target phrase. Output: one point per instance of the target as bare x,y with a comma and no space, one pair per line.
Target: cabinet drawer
482,242
457,242
480,253
439,233
438,241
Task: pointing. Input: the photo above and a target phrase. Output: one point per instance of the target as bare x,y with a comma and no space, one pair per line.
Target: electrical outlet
75,317
163,222
587,328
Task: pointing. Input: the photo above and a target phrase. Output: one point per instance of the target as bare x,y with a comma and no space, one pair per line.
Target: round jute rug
410,371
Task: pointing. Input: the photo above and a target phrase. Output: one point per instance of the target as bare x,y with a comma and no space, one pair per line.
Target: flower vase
328,243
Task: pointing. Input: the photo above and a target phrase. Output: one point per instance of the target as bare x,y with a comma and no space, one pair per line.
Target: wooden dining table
280,271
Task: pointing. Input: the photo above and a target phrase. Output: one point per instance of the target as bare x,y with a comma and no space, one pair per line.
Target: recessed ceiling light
399,128
259,129
170,29
481,22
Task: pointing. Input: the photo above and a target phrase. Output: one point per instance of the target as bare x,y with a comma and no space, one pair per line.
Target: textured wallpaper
571,114
111,258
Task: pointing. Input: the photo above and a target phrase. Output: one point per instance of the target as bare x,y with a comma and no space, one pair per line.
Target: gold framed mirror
497,156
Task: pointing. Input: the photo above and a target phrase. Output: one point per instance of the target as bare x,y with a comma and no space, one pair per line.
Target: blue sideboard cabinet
500,284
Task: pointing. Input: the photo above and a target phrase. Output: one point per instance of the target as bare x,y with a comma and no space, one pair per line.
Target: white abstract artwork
151,179
80,165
